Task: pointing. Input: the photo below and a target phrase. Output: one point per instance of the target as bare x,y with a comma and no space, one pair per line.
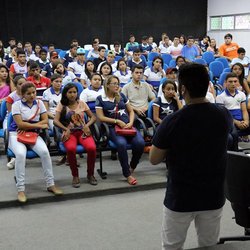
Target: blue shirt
190,52
109,107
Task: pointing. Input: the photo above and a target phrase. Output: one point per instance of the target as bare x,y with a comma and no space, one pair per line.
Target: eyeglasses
114,84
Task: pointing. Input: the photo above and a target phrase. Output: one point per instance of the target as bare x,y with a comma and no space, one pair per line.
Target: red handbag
125,131
27,137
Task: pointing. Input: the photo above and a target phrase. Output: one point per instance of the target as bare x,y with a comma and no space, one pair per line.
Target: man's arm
157,155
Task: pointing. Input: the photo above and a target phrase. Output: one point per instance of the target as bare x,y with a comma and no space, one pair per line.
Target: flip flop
132,181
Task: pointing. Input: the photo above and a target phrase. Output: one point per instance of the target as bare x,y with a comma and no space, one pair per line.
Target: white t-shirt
113,65
124,78
77,68
175,51
68,77
90,95
85,78
152,75
52,98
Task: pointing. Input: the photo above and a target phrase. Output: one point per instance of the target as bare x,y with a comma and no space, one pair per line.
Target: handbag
28,137
123,131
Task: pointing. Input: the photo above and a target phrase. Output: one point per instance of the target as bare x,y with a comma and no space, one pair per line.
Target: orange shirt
229,50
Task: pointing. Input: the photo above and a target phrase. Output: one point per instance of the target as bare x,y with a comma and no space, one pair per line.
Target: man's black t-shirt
196,141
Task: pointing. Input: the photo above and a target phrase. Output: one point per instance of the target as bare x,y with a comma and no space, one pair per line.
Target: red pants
89,145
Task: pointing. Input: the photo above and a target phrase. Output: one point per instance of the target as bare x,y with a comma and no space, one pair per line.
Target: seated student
238,69
179,61
144,47
175,49
235,101
163,47
154,74
36,55
136,60
124,118
171,74
190,51
42,61
123,73
204,43
212,48
101,58
48,69
138,93
85,76
163,35
52,96
78,66
105,70
68,76
70,118
94,51
12,57
110,59
131,46
14,96
167,103
95,89
30,114
4,82
244,60
41,82
152,43
118,50
70,56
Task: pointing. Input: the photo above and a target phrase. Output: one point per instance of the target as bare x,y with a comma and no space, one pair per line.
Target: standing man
194,143
229,49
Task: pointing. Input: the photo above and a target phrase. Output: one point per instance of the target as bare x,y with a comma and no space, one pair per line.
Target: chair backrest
227,70
150,110
217,68
152,55
166,58
149,63
200,61
224,61
208,56
62,53
58,51
112,47
165,66
117,58
238,186
88,46
143,58
222,78
3,110
172,63
103,45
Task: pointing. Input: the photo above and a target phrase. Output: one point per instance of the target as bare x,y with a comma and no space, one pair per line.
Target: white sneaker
11,164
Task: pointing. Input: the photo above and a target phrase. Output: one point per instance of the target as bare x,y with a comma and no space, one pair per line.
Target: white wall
227,7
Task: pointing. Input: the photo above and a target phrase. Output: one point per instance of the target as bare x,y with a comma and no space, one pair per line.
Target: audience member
86,75
243,59
137,60
78,66
228,49
123,73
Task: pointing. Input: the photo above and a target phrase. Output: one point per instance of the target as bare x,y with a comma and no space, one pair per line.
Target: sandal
92,180
131,180
76,182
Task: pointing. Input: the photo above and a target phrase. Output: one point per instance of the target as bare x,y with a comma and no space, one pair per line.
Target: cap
80,51
53,54
170,70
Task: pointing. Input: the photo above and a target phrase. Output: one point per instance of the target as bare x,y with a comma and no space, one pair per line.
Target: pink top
4,91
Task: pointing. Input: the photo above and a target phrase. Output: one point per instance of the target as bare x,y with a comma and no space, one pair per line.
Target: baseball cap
53,54
170,70
80,51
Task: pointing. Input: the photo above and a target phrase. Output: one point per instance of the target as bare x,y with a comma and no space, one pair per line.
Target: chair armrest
44,133
57,134
6,140
150,124
140,125
104,134
95,133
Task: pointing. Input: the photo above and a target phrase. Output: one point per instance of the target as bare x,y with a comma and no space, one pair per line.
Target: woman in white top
30,114
123,73
85,76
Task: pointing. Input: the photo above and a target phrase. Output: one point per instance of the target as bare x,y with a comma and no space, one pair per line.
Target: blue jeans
137,143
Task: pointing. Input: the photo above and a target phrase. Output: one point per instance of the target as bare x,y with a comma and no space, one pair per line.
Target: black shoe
113,155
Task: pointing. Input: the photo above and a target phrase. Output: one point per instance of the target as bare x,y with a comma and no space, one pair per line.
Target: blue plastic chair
227,70
58,51
143,58
222,78
166,58
165,66
62,53
217,68
224,62
200,61
149,63
208,57
150,109
3,110
117,58
152,55
79,87
172,63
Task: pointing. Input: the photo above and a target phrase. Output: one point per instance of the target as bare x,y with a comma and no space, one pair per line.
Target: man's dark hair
42,51
101,47
20,52
190,37
229,75
241,50
137,66
195,78
34,65
136,51
228,35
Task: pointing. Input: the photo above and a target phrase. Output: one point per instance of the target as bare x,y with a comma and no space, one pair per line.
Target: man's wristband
115,121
